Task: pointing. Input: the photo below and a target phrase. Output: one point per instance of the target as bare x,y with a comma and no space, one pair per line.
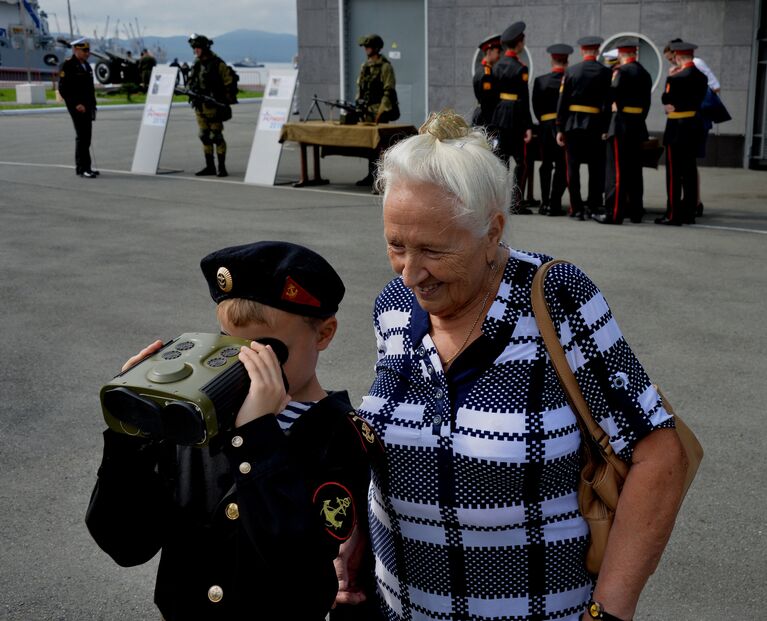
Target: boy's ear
326,332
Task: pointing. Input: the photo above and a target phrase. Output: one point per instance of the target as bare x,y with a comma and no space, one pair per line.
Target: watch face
595,610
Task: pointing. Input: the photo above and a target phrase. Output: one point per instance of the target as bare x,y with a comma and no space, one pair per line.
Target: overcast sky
174,17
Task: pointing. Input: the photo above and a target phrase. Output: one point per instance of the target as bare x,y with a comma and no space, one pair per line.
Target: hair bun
445,125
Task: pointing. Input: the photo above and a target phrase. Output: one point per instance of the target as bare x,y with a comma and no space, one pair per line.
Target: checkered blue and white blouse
475,514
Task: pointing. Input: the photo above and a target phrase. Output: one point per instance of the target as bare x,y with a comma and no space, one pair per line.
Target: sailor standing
545,98
76,88
682,98
512,114
629,100
484,83
582,119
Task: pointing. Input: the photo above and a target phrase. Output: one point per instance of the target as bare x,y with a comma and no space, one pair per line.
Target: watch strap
595,610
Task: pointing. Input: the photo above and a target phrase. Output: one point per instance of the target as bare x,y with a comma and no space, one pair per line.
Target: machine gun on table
350,115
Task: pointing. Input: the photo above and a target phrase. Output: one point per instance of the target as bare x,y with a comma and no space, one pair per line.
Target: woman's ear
495,230
325,332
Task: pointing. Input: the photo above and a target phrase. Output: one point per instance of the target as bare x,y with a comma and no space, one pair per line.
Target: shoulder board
370,442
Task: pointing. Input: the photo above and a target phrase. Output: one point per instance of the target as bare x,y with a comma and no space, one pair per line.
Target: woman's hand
266,394
144,353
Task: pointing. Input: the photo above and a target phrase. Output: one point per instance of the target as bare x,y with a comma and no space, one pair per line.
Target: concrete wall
722,28
318,51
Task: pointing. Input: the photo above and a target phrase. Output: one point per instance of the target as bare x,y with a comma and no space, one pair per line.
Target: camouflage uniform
376,88
211,77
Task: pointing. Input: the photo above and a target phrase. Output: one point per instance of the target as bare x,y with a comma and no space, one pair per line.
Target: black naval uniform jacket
512,114
249,526
585,84
76,85
630,92
545,99
685,90
486,92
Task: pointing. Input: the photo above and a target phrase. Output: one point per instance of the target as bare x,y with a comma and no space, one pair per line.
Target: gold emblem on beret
224,279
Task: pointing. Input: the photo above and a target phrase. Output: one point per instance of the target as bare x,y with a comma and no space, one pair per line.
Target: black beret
277,274
371,40
490,42
682,46
590,41
559,49
513,32
624,42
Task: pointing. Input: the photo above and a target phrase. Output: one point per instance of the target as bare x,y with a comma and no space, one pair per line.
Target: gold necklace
494,268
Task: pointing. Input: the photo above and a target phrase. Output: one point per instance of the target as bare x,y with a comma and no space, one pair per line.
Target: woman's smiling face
441,260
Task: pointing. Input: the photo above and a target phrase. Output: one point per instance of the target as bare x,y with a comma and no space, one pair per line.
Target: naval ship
26,43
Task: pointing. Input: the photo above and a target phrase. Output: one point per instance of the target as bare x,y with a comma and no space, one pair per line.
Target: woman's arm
643,521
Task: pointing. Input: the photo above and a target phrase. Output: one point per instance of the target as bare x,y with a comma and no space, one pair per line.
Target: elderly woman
475,514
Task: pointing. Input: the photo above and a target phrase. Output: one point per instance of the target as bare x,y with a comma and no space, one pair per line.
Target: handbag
603,472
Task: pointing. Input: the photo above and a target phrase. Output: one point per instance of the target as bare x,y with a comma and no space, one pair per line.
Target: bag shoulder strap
564,373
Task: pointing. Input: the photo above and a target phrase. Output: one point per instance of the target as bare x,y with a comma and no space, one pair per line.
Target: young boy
249,525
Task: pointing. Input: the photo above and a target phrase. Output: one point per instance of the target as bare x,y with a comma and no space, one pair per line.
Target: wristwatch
597,611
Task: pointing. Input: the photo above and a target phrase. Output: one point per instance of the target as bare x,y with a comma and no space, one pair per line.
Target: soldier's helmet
371,40
201,41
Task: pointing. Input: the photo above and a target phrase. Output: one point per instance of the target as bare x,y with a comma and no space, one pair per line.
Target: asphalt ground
92,270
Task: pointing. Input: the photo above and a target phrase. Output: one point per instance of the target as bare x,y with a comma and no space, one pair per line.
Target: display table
366,140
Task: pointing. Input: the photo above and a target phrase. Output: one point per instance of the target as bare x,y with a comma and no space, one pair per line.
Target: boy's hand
347,563
266,394
144,353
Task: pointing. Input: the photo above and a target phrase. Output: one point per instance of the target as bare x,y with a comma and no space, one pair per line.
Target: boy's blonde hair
240,312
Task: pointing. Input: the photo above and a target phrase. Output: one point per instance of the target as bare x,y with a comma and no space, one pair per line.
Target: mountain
260,46
233,46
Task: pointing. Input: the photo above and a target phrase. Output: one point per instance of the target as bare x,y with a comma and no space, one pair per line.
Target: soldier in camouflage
376,90
211,78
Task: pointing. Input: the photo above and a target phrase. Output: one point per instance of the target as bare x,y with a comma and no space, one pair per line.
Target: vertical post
71,31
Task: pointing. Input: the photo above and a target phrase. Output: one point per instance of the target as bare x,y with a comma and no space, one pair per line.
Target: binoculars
187,392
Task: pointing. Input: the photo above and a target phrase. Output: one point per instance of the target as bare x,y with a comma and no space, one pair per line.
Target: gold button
215,593
244,467
232,511
237,441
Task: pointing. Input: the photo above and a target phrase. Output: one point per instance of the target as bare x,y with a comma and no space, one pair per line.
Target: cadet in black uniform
629,100
512,114
545,98
485,89
76,88
582,120
248,526
682,98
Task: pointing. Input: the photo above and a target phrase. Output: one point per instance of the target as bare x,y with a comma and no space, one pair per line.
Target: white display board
275,112
154,120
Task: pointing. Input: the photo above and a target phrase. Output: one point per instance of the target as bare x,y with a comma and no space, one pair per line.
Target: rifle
352,112
195,97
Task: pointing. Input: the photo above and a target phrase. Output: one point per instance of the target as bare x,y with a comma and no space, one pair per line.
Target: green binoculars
187,392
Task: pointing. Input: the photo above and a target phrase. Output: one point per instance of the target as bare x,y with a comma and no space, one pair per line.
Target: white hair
457,159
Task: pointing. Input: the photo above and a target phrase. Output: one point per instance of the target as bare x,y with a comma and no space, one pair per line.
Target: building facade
432,46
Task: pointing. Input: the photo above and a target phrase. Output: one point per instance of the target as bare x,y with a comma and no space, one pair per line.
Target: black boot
222,165
210,167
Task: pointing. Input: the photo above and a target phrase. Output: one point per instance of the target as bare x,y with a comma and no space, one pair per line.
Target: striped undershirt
291,413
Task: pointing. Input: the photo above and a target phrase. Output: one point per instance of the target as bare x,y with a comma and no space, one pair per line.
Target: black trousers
83,123
511,144
585,147
624,185
681,182
553,158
